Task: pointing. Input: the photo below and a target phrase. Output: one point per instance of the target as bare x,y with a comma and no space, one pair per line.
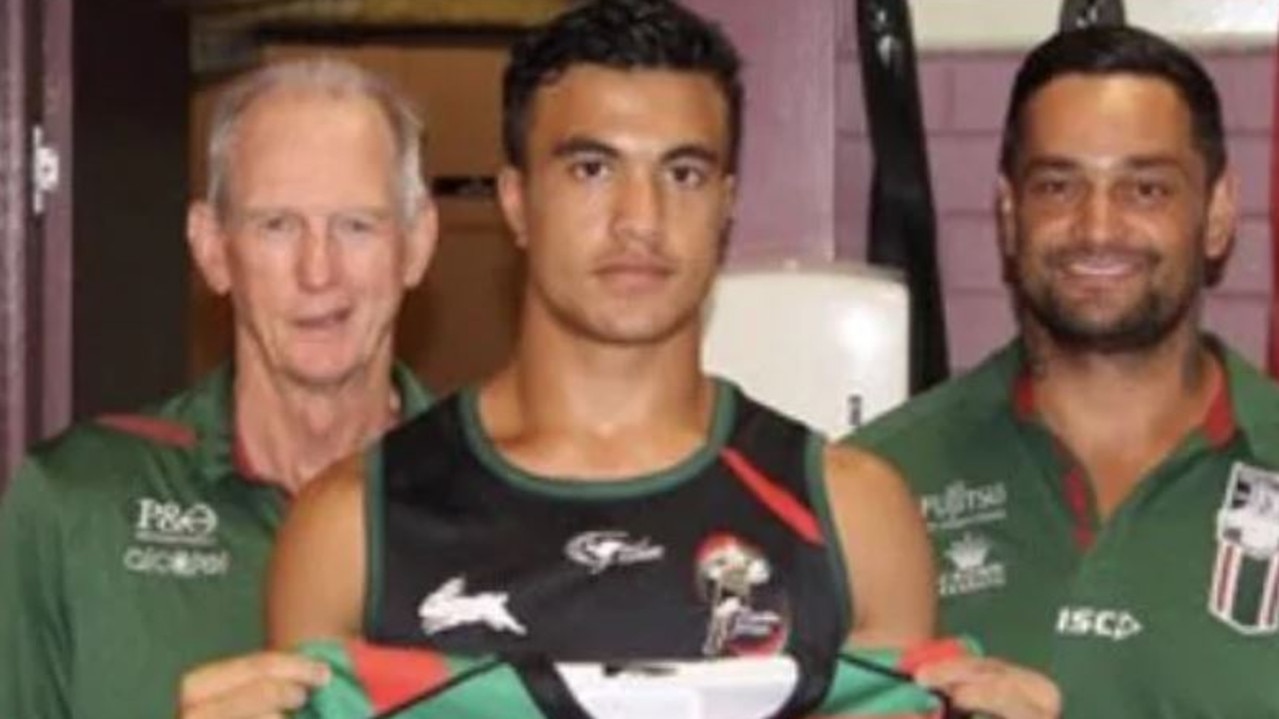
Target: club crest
1244,592
734,579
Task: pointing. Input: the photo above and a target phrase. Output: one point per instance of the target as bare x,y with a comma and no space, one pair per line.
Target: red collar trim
1219,425
1024,396
240,461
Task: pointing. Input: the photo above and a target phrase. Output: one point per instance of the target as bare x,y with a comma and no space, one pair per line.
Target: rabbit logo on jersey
1244,592
733,578
175,540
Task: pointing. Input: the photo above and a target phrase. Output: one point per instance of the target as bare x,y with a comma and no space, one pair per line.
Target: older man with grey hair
133,547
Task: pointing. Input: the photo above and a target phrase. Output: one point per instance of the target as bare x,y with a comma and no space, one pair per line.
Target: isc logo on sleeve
1113,624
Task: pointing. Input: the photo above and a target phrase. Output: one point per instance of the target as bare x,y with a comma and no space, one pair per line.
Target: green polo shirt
131,549
1168,609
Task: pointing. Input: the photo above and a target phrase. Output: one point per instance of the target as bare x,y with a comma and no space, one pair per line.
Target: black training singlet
730,552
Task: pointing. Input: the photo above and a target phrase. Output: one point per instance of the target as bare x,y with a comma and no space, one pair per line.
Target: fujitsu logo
960,505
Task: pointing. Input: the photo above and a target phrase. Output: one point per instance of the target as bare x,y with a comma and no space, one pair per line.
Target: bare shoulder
885,548
318,569
845,464
336,489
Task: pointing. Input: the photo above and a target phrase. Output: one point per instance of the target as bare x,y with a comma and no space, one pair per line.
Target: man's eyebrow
578,145
693,151
1155,162
1048,163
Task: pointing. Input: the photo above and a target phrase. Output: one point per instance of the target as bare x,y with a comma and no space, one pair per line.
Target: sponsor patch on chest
600,550
175,539
1100,622
1244,591
735,578
961,505
969,567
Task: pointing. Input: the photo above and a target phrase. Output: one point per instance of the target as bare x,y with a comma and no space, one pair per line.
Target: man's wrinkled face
312,246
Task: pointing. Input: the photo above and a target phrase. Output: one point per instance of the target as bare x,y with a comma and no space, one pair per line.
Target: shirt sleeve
34,641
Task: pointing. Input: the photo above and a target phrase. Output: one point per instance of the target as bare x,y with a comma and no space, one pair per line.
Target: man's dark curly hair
623,35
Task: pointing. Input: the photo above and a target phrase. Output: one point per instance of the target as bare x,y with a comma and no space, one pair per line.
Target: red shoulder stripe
777,499
155,429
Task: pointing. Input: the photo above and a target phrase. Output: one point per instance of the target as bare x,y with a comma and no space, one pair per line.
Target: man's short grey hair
337,78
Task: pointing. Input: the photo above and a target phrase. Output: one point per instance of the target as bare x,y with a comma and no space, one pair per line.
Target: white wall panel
1002,24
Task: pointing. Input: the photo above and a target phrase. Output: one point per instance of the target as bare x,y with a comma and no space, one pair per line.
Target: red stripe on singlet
938,650
786,507
392,676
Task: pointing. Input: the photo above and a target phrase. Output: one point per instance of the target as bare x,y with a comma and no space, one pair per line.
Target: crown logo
969,552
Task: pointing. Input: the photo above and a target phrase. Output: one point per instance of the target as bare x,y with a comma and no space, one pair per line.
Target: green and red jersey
132,548
381,682
1169,608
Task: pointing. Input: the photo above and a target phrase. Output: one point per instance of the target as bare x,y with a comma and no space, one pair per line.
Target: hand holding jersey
998,688
250,686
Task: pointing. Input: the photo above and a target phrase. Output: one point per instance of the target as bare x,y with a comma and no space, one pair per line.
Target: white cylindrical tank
828,345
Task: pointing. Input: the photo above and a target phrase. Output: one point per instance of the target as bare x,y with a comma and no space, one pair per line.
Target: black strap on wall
903,227
1076,14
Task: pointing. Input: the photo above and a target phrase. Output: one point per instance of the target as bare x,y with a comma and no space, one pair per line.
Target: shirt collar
220,453
1221,423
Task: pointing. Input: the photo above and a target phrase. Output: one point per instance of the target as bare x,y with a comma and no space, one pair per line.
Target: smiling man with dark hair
1098,491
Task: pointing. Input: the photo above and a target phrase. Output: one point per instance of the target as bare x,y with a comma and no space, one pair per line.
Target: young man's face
311,246
1109,218
624,200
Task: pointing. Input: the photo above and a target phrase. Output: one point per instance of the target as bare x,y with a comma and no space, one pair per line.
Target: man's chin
323,376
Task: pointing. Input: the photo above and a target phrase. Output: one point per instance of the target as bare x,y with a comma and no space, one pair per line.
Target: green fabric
1124,626
125,561
496,692
856,691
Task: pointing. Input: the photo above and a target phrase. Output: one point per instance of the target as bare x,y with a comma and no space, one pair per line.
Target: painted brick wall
964,101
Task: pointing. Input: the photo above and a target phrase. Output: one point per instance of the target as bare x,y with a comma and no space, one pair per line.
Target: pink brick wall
964,100
785,206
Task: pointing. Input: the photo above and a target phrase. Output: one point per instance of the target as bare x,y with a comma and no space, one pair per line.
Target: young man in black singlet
601,498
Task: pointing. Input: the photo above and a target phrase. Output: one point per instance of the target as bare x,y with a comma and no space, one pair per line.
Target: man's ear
1223,217
421,239
730,201
207,244
1006,217
510,196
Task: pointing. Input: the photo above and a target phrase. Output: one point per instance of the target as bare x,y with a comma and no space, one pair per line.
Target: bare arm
316,590
317,580
885,547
